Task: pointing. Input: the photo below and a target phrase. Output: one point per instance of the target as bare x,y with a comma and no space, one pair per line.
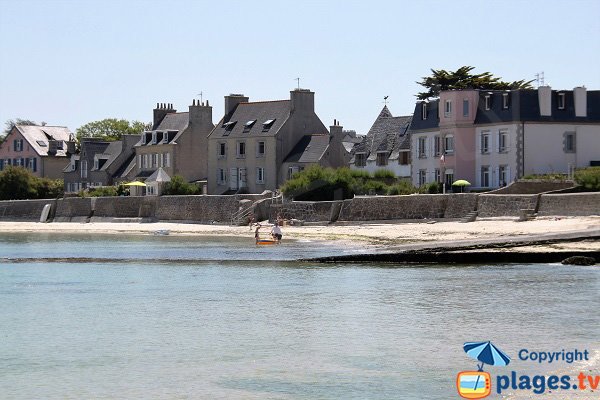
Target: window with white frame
449,144
505,100
485,142
222,150
503,175
485,176
502,141
422,147
487,101
154,137
465,108
18,145
84,169
569,142
140,161
447,108
145,163
360,159
403,159
449,177
221,176
291,171
438,175
260,175
437,145
382,157
561,101
241,150
165,138
154,160
168,160
422,177
260,149
423,111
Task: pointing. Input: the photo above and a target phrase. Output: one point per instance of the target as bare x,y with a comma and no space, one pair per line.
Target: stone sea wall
504,205
23,210
416,206
570,204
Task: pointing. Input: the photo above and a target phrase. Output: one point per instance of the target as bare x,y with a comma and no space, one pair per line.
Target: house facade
258,145
99,163
491,138
43,150
386,146
177,143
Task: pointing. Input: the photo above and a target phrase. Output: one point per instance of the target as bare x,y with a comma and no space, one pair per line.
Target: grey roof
261,111
112,151
309,149
35,135
159,176
387,134
174,121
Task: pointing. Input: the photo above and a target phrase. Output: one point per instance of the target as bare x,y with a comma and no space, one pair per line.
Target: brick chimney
161,110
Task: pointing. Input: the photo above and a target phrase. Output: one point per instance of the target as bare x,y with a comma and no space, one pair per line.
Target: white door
233,179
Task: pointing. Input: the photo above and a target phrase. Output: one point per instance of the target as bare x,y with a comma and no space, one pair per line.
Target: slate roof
309,149
173,124
388,133
34,134
112,151
431,122
159,176
260,111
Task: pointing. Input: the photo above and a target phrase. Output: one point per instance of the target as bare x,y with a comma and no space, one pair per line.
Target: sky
72,62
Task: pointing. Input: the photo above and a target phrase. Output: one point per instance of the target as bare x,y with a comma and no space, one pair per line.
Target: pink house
43,150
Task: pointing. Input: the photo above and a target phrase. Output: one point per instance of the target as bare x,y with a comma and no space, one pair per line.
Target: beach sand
370,234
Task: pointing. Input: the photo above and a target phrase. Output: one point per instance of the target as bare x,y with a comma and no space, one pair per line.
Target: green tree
462,78
16,183
110,129
588,178
178,186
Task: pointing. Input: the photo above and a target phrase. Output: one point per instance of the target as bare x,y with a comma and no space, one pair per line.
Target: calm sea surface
197,318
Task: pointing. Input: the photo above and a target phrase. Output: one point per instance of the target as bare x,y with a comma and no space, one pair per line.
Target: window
438,175
153,137
84,168
403,159
161,160
165,138
146,163
222,150
241,150
154,160
260,149
449,144
422,177
267,125
487,101
465,108
502,141
449,175
1,164
143,139
421,151
228,127
437,145
485,142
485,176
41,143
168,160
18,145
292,171
139,161
561,101
503,175
221,176
260,175
360,160
248,125
447,108
569,142
423,111
382,158
505,100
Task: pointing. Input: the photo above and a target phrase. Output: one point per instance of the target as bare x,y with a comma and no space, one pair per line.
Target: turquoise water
276,329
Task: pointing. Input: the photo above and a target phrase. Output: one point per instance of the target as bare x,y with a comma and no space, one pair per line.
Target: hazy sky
72,62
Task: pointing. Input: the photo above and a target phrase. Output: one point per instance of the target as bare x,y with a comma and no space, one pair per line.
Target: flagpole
443,168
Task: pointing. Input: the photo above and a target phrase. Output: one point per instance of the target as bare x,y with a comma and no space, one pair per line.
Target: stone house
491,138
386,146
177,143
99,163
43,150
259,145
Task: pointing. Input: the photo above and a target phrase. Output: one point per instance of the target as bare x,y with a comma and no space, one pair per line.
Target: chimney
336,130
200,114
580,96
303,100
545,100
161,110
232,101
71,149
52,146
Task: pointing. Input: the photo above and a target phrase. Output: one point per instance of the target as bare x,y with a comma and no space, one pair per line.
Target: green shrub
433,188
17,183
546,177
178,186
589,178
402,188
103,191
384,174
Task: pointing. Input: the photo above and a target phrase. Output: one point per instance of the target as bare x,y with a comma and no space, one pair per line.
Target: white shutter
497,142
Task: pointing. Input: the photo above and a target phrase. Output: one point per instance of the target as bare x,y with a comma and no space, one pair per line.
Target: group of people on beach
276,233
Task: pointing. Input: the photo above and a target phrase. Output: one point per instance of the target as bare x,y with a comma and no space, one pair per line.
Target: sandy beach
368,234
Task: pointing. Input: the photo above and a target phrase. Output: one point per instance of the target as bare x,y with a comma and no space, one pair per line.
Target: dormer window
248,125
154,137
143,140
228,127
487,101
268,124
165,138
561,101
423,111
505,100
447,108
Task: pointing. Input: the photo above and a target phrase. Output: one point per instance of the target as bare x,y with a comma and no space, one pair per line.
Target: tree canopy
462,78
110,129
18,183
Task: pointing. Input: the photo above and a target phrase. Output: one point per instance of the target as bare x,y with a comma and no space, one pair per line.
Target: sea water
172,317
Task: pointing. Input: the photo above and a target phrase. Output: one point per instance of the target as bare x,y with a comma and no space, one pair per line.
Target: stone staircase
470,217
527,214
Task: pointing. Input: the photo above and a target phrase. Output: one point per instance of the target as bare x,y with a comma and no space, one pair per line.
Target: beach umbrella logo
478,384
